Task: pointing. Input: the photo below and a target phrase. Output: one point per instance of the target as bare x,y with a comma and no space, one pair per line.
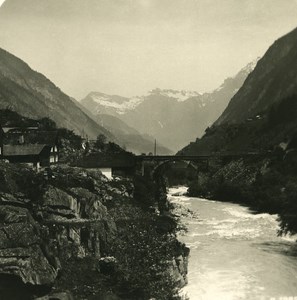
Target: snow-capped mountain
112,103
117,105
173,117
180,96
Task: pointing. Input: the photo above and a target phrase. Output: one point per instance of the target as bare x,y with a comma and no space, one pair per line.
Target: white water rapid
235,254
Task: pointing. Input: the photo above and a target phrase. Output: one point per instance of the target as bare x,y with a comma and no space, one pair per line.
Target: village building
30,146
110,164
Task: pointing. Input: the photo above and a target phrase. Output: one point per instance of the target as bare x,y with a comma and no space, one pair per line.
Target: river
235,254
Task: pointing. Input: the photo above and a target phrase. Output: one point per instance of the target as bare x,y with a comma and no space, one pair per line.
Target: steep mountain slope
262,116
126,136
173,117
129,137
33,95
222,95
274,78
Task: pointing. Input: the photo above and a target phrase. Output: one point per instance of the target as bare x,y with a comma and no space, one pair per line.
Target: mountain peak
239,77
250,66
179,95
158,112
113,103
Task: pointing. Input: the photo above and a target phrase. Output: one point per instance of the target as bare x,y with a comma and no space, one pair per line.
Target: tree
47,124
100,142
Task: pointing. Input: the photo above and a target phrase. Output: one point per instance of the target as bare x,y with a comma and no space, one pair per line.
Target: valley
156,113
186,190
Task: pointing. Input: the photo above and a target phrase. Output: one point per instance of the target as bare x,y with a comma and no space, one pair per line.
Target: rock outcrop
21,248
38,233
55,230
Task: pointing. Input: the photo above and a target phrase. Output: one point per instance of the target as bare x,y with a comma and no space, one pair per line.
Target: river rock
107,265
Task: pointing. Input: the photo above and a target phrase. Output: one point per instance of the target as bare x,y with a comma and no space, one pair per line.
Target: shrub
145,255
144,191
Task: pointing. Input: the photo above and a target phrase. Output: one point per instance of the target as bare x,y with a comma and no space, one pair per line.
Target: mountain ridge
33,95
262,114
160,110
266,83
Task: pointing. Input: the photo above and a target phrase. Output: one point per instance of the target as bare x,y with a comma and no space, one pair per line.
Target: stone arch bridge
155,164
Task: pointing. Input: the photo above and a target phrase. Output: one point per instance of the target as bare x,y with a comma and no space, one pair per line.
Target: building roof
7,129
13,137
22,150
106,160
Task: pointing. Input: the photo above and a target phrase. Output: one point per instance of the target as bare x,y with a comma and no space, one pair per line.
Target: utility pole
155,148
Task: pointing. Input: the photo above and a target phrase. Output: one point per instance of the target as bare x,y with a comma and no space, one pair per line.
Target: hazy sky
128,47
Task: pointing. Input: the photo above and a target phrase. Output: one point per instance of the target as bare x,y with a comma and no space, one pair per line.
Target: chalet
110,164
30,146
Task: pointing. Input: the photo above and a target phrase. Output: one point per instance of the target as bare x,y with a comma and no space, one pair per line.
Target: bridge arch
154,165
161,166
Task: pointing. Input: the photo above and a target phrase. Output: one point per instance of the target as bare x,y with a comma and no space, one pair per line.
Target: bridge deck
200,157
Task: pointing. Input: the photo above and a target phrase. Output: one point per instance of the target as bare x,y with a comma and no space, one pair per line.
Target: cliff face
75,230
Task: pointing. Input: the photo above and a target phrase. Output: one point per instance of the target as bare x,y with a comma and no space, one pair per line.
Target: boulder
107,265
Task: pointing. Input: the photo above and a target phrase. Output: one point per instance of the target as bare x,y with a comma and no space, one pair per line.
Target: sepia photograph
148,150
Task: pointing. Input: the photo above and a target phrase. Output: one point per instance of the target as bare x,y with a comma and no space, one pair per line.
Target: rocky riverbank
75,235
265,185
